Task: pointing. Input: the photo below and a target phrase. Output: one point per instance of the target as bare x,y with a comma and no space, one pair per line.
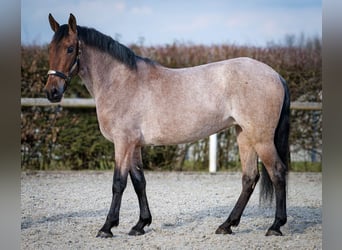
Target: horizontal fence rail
90,103
66,102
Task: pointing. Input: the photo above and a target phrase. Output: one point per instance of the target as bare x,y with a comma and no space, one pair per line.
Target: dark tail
281,141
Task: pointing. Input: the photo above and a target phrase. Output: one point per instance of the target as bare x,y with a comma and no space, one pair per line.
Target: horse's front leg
139,183
122,166
112,220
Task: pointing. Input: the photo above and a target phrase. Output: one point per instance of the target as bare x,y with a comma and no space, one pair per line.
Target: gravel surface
65,210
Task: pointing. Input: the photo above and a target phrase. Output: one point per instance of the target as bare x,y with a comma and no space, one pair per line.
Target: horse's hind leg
277,172
250,176
139,183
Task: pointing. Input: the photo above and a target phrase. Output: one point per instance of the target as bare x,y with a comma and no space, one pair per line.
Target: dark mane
104,43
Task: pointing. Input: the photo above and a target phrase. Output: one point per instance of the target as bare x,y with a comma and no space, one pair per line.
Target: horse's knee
119,182
119,186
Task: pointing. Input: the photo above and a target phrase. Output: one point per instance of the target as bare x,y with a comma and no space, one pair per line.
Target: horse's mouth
54,98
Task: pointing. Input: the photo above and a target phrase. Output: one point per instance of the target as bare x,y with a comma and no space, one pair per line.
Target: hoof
221,230
274,232
136,232
102,234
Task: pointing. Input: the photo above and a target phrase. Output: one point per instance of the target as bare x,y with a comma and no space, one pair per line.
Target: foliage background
61,138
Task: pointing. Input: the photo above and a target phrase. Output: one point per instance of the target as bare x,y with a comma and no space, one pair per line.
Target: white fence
89,103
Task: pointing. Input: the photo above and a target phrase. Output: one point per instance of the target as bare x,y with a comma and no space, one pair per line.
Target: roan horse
139,102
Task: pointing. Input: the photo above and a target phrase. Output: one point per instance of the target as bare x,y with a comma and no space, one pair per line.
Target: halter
67,78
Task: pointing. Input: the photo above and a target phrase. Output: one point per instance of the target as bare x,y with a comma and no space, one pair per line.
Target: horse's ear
72,24
53,23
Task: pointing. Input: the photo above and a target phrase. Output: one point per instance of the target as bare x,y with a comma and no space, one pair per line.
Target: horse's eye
70,49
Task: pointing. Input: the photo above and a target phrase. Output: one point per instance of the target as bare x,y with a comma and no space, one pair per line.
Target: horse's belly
186,132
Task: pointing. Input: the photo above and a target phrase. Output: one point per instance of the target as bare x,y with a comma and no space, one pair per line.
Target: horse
140,102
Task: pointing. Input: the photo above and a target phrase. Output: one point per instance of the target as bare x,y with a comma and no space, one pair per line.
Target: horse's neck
99,71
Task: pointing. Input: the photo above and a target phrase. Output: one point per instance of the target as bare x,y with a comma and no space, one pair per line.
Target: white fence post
212,153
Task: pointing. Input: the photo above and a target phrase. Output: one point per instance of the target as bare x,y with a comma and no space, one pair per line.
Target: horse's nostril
54,92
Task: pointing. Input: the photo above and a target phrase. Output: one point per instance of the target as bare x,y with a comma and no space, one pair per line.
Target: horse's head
64,52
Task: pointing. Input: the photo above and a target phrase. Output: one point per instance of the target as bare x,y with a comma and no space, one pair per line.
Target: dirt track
64,210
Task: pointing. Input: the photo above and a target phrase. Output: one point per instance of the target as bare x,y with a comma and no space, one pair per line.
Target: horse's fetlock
147,221
282,221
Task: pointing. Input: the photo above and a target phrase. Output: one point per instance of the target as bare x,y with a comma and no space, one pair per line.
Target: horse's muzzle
54,94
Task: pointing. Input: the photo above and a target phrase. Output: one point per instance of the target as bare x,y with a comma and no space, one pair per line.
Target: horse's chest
106,132
105,126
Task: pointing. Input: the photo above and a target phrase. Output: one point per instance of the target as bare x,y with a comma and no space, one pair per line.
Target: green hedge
70,138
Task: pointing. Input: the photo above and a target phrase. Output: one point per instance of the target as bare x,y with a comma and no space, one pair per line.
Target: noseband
73,67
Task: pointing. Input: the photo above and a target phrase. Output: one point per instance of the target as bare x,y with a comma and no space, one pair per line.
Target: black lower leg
119,185
248,186
280,215
139,183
